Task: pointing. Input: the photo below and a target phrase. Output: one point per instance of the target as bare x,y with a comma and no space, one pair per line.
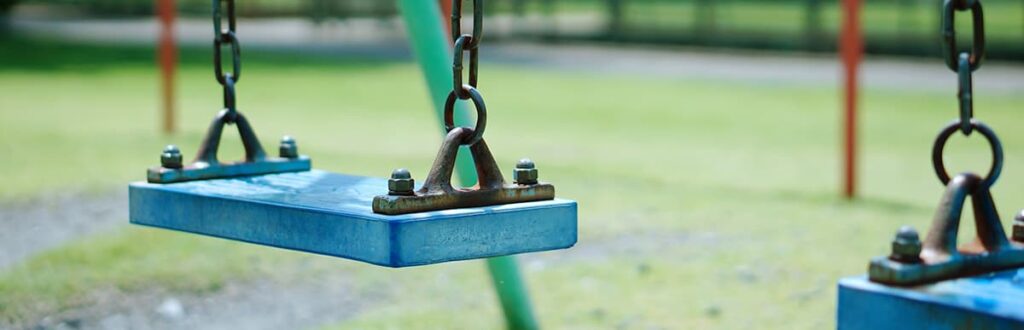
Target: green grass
703,204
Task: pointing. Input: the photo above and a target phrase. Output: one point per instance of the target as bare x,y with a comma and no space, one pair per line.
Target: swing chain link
466,43
222,36
964,63
965,93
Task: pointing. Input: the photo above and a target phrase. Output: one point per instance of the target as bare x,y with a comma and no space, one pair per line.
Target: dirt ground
44,222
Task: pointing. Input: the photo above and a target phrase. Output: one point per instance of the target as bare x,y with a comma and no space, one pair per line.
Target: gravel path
29,227
260,304
758,67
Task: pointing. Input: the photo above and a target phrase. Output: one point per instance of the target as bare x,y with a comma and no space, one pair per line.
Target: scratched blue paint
994,301
330,214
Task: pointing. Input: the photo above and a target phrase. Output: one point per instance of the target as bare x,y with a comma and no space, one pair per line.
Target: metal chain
221,36
963,62
466,43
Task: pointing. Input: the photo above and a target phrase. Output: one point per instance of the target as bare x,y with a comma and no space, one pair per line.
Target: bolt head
906,247
288,148
401,173
1018,227
401,183
525,163
525,172
907,233
287,139
171,157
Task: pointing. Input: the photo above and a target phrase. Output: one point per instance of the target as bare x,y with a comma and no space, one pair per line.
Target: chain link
964,63
228,36
474,59
478,22
977,52
964,93
229,97
464,43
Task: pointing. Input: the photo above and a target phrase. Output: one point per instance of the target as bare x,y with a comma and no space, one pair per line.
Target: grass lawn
703,204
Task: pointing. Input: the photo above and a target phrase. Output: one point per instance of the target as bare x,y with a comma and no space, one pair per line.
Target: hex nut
288,148
401,183
525,172
1018,227
171,157
906,247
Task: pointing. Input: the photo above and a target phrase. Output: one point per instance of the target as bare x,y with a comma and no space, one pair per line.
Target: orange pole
446,16
168,58
851,50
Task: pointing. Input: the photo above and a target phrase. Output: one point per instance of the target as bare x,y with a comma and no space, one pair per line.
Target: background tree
5,11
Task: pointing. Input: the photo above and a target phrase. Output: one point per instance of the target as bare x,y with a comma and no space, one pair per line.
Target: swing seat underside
330,214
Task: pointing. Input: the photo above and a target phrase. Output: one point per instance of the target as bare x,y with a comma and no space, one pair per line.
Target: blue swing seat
327,213
992,301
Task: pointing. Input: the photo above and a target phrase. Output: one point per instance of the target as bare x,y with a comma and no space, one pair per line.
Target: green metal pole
432,47
515,300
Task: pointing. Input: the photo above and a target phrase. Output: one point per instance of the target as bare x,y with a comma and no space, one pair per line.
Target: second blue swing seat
292,207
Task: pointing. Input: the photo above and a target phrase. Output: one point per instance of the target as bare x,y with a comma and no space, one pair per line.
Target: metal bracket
437,192
206,165
939,257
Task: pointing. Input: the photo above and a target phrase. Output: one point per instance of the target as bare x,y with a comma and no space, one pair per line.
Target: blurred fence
908,27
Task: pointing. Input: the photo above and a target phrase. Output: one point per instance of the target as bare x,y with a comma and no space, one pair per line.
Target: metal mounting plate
330,214
884,270
509,193
993,301
226,170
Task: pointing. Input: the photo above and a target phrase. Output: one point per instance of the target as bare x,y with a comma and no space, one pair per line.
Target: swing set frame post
167,55
851,49
432,46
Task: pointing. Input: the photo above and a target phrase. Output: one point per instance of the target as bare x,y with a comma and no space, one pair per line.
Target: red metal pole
168,58
446,15
851,50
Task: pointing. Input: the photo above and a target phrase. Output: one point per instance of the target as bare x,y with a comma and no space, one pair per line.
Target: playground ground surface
704,203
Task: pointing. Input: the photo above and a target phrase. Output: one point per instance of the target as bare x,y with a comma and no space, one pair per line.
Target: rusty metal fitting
1018,227
288,148
525,172
906,247
401,183
171,157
